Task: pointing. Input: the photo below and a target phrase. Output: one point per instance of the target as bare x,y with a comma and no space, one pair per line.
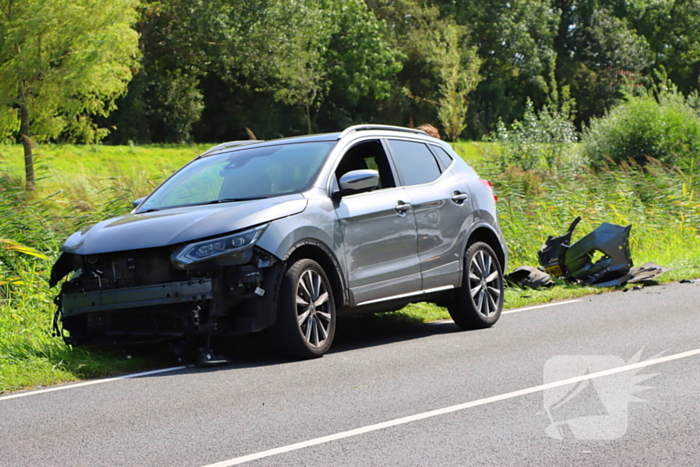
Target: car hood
177,225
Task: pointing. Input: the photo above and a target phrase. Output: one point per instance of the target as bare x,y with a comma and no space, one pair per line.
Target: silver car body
381,249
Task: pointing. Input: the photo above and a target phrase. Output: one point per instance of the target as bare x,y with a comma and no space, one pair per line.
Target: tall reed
660,203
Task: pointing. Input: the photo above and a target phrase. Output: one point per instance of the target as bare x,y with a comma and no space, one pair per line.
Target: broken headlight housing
224,251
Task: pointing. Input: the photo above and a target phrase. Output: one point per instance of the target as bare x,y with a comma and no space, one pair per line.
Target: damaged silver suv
286,235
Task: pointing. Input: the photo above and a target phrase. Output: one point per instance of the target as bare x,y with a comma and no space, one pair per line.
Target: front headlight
211,249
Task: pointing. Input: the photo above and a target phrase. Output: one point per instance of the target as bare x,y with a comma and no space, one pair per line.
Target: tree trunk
26,139
308,117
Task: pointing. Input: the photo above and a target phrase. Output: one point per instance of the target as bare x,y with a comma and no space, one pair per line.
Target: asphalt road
411,396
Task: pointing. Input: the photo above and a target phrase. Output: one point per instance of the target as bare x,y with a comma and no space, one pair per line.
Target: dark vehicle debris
646,272
601,258
553,252
529,278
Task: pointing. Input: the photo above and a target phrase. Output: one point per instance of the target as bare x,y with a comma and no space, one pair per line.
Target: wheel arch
318,252
488,236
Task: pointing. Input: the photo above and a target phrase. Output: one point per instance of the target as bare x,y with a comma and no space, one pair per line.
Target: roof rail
228,145
355,128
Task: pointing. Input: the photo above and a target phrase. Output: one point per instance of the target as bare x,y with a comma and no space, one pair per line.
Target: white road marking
447,410
90,383
528,308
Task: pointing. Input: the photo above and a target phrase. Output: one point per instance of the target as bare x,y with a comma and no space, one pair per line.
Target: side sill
406,295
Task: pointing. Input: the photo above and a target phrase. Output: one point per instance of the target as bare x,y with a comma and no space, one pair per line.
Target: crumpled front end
151,295
552,254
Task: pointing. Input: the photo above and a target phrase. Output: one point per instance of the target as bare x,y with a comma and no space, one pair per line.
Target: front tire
305,311
479,301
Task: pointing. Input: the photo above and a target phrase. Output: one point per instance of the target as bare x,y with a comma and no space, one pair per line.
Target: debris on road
601,258
529,278
646,272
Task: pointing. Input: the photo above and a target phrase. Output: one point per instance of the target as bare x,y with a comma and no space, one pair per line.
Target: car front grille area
132,277
150,323
127,269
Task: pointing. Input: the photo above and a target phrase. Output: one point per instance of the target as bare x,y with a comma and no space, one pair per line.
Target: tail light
489,185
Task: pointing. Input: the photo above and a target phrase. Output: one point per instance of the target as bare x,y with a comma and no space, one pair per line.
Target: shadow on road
356,332
352,333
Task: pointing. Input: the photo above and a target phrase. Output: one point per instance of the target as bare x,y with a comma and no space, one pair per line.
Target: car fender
484,232
317,228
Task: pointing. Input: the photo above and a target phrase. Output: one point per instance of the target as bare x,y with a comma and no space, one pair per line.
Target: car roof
335,136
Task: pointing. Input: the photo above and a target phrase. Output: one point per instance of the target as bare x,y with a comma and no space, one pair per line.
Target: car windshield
242,175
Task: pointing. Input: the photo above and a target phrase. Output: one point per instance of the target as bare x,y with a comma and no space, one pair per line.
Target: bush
665,128
542,140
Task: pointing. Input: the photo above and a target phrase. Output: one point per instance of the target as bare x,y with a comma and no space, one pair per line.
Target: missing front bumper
601,258
174,293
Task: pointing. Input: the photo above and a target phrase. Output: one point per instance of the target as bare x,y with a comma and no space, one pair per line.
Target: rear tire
305,311
479,301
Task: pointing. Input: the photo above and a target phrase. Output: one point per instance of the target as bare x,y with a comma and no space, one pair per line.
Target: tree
458,69
181,41
61,62
672,28
307,50
598,52
659,123
515,42
542,139
362,65
291,38
411,26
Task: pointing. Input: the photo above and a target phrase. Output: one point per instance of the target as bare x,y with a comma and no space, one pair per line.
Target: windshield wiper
234,200
216,201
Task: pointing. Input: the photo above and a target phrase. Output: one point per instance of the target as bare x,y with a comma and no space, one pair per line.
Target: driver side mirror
357,181
136,203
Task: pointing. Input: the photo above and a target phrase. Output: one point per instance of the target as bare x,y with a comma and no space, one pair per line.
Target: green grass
101,161
79,185
476,152
30,356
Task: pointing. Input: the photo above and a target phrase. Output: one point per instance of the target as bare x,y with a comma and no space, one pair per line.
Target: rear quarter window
414,162
443,156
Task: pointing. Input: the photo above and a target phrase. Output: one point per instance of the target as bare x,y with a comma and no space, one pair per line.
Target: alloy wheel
485,283
313,308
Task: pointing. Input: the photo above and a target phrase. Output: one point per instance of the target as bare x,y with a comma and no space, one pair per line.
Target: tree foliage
672,29
209,69
515,42
61,63
540,141
598,52
656,124
180,42
458,68
296,35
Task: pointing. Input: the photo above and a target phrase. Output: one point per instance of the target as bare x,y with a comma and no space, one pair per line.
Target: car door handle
402,208
459,198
